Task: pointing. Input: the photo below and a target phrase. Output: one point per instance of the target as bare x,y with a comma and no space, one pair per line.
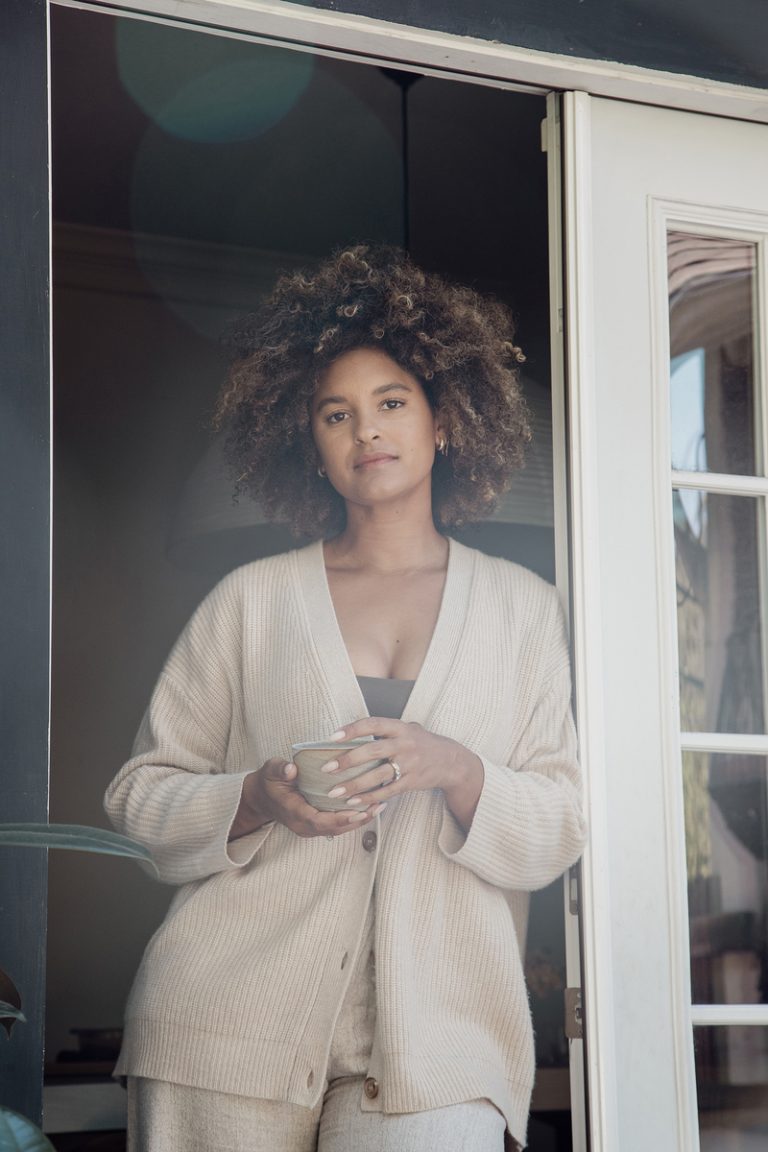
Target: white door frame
586,620
440,53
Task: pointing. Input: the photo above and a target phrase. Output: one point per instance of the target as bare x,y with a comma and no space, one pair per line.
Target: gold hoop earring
321,472
442,446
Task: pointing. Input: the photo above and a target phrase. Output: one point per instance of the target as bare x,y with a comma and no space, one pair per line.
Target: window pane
726,840
711,288
718,612
732,1088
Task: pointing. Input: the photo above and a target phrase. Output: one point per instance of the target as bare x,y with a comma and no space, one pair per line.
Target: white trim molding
727,743
552,143
707,1015
461,57
586,621
669,703
720,483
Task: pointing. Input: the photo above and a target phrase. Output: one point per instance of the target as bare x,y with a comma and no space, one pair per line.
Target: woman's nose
366,430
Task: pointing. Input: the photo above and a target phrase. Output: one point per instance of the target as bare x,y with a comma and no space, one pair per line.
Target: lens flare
329,174
209,89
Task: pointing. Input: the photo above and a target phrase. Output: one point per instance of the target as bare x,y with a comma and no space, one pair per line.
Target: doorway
188,169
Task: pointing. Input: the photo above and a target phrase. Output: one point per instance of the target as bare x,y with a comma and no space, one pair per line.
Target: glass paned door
718,453
667,356
731,1087
711,310
717,575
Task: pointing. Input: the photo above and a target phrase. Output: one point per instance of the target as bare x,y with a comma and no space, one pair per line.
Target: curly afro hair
458,344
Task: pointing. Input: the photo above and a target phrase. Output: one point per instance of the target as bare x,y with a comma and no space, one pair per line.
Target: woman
353,980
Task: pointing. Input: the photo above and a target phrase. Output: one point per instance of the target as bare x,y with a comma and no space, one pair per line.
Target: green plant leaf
7,1010
77,837
17,1134
10,998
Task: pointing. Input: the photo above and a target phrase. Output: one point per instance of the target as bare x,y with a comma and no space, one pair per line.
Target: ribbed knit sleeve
178,794
528,826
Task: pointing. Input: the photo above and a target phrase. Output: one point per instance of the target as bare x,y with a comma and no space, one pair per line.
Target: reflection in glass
726,840
711,289
718,612
732,1088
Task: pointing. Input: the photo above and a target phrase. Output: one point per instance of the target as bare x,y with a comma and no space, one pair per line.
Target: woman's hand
423,759
271,794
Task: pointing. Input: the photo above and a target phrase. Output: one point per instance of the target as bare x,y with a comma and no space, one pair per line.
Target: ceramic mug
314,784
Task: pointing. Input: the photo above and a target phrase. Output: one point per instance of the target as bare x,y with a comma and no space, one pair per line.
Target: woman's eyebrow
395,386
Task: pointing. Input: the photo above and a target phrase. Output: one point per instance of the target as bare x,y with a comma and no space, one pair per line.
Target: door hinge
574,1020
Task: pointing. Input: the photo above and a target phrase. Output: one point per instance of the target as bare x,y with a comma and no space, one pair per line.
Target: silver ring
330,837
398,774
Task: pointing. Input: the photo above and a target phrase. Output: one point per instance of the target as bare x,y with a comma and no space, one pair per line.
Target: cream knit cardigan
240,987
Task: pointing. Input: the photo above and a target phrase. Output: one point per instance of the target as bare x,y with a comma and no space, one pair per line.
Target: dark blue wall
24,528
722,41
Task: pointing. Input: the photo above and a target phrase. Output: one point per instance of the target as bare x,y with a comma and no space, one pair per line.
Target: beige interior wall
135,382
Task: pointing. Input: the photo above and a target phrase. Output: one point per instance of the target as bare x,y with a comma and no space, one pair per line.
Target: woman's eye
392,404
335,417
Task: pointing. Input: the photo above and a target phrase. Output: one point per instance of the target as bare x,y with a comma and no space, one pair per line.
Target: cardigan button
371,1087
344,959
310,1079
369,840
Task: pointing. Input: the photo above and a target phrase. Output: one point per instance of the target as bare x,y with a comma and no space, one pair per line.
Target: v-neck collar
332,651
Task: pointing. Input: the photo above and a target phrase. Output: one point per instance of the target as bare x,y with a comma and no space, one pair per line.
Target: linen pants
166,1117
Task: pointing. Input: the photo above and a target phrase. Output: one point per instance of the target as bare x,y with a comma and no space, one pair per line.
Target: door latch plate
574,1020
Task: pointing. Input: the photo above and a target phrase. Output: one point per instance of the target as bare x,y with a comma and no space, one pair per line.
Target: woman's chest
387,623
464,647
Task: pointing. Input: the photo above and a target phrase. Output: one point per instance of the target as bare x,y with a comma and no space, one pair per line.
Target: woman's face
374,429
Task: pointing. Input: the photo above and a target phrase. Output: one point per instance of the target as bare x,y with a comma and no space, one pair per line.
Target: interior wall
24,528
134,385
156,247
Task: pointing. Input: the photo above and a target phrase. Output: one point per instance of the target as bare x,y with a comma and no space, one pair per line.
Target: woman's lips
377,458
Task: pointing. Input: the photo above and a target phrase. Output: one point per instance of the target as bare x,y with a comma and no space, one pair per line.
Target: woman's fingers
278,770
366,789
289,807
423,760
364,754
349,820
310,822
370,726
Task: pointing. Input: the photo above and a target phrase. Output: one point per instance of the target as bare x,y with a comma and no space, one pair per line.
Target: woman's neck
377,541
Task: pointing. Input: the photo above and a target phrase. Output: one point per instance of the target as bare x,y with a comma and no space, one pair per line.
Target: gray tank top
385,697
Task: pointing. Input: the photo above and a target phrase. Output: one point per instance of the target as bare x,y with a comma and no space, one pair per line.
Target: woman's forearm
463,792
249,816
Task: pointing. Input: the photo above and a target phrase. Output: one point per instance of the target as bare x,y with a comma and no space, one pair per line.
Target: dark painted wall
24,527
700,37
